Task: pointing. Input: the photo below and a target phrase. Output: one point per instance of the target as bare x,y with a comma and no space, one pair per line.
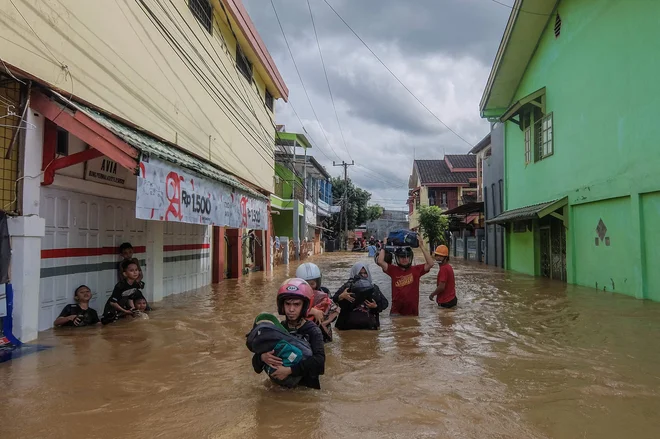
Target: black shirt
310,368
87,316
122,293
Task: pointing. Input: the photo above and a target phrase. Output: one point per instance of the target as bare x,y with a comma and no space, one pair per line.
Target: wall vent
557,26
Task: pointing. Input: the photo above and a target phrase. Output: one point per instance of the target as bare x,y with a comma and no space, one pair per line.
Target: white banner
166,192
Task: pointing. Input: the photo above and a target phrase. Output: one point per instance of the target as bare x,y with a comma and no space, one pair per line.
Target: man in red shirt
446,288
405,279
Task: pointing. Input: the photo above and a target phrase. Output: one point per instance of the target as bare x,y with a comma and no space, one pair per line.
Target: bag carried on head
403,238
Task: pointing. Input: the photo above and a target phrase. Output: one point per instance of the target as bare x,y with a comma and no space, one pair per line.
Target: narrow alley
520,357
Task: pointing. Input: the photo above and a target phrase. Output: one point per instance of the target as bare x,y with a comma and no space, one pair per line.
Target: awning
155,148
465,209
535,211
529,99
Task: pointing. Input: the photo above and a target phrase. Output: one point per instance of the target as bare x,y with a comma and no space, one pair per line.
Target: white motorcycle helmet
309,271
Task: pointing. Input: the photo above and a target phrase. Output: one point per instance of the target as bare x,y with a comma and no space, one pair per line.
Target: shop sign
166,192
104,170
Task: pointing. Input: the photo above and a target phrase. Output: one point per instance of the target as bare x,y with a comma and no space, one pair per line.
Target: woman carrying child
360,301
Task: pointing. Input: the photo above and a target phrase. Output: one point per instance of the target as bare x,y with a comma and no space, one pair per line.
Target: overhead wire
302,83
327,81
395,76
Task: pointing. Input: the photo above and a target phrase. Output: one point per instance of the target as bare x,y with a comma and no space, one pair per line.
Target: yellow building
149,122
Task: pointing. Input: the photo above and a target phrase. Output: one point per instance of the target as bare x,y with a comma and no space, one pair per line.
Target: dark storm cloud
441,50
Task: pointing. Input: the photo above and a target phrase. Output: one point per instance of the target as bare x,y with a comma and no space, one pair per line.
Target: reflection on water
519,358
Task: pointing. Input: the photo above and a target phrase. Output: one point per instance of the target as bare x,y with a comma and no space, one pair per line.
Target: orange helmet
441,250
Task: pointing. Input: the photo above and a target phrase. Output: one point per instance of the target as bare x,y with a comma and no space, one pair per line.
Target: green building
574,82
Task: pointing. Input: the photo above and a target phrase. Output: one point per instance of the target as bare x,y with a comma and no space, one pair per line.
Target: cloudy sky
441,50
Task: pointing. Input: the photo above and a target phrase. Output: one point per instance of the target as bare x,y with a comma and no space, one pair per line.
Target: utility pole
345,203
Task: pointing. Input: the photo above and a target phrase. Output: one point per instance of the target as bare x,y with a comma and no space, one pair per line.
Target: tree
374,212
358,211
433,225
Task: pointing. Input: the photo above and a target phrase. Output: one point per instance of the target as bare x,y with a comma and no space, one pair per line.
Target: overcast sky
441,49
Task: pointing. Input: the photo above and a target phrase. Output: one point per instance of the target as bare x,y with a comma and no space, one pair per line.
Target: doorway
552,249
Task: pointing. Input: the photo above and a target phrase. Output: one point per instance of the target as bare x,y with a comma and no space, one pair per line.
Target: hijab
355,271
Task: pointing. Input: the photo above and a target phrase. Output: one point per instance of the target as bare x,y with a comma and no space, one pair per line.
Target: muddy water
520,358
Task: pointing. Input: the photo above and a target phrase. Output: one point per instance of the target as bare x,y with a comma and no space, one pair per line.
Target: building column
219,258
236,257
637,260
26,234
296,230
154,274
260,250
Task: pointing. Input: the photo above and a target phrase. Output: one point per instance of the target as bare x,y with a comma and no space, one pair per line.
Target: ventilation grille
557,26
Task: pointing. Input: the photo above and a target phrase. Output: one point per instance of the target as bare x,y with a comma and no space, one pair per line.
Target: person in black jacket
293,300
360,301
80,313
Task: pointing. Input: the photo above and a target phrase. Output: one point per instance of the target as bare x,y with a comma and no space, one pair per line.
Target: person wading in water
405,279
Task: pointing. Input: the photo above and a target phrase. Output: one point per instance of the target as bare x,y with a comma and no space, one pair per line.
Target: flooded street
519,358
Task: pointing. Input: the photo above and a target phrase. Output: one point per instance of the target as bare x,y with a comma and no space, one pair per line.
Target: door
186,257
553,249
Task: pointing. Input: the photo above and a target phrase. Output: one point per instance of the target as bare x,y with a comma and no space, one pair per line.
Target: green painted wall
650,204
520,252
600,75
283,223
601,80
602,266
284,189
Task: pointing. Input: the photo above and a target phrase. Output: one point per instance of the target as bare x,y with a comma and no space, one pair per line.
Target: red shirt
405,289
446,275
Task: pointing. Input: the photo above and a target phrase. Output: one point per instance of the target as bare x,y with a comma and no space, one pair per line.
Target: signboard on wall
106,171
166,192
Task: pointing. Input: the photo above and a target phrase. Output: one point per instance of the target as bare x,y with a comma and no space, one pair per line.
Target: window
543,139
243,64
62,142
501,184
203,12
443,199
528,145
269,101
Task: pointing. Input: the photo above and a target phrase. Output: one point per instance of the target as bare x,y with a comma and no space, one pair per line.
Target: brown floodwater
519,358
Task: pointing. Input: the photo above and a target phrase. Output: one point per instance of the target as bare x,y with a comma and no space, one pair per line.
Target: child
323,311
293,301
121,303
446,289
126,251
141,308
78,314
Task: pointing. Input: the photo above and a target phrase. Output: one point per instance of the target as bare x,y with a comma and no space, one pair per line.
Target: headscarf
355,271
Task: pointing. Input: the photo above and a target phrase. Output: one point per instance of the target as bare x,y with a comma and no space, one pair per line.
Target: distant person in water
79,313
405,279
445,290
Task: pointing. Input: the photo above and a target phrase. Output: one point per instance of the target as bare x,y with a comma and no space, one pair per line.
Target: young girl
78,314
323,310
445,290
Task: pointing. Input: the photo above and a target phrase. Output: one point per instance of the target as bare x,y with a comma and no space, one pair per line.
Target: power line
393,75
327,81
520,9
318,121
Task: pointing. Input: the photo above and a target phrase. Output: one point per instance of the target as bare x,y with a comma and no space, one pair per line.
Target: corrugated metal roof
521,214
154,147
437,171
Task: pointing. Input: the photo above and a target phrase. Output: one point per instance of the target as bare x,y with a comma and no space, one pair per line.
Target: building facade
447,183
146,124
581,193
493,195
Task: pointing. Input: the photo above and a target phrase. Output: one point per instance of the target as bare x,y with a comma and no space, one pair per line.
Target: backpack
403,238
267,335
